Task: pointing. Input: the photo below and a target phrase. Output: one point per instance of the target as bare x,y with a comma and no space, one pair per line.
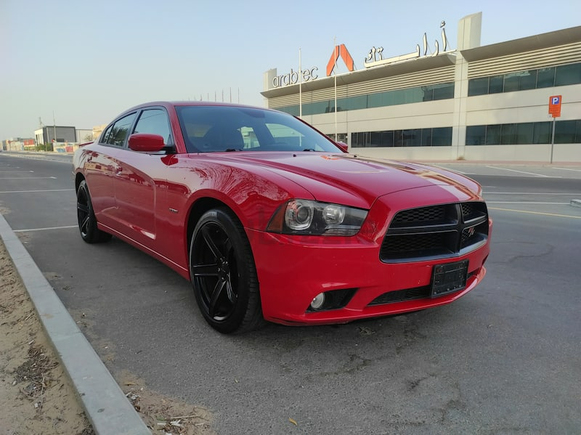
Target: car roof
168,104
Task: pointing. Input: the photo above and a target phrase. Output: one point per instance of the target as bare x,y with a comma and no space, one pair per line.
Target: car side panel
98,170
137,180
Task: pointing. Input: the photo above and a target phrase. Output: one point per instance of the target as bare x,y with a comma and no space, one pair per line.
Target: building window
403,138
478,87
442,136
568,75
525,80
442,91
475,134
496,85
511,82
412,138
524,133
542,132
493,135
546,78
568,132
508,134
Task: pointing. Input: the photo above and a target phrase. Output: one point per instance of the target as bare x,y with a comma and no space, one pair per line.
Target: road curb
103,400
576,202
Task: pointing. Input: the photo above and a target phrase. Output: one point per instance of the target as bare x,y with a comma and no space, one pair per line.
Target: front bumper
292,270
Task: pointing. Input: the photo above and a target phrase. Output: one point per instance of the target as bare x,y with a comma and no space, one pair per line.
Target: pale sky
85,61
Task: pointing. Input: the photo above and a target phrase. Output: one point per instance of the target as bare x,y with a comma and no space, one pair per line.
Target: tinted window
443,92
403,138
222,128
496,84
566,131
412,138
375,139
154,121
356,103
398,138
546,78
427,137
106,134
442,136
528,79
387,138
524,133
379,99
475,134
285,136
493,135
511,82
120,130
508,132
542,133
478,87
568,74
428,93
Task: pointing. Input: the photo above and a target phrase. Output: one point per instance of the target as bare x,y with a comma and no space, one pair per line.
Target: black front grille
435,232
423,214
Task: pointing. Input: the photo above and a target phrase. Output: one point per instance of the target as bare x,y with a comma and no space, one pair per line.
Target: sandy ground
36,395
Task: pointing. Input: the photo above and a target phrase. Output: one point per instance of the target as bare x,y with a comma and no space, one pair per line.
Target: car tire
223,273
86,217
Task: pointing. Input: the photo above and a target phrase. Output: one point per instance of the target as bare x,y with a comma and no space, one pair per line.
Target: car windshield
227,128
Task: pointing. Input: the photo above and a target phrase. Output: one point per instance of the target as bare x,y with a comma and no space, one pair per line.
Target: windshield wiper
309,149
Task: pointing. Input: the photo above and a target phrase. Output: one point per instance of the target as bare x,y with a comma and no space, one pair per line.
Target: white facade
84,135
462,115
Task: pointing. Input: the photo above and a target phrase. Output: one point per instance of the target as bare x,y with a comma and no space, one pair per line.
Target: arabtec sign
292,78
373,59
340,50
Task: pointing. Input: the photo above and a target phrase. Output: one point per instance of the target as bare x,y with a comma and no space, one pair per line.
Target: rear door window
119,131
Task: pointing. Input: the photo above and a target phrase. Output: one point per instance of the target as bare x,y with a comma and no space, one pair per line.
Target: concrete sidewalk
104,402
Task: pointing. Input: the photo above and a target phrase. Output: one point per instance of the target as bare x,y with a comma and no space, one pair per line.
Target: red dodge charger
271,220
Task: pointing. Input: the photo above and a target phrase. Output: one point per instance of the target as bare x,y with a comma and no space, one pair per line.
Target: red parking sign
555,105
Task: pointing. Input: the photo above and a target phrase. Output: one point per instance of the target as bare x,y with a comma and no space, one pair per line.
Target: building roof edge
529,43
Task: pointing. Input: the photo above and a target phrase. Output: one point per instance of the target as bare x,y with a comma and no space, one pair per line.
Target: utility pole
53,128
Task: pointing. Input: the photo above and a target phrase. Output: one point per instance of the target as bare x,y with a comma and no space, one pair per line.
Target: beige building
473,102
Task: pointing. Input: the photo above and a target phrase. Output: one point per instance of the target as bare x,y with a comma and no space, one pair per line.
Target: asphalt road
503,359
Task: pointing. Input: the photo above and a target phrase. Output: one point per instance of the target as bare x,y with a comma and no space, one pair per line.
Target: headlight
303,216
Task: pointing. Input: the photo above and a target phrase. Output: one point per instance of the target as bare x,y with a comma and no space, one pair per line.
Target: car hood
351,179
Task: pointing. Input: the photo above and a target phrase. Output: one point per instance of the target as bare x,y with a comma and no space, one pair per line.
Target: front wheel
223,273
86,217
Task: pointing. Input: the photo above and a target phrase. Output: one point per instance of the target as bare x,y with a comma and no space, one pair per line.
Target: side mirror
343,146
149,143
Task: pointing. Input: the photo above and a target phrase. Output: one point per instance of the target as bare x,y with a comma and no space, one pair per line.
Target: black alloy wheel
223,273
86,217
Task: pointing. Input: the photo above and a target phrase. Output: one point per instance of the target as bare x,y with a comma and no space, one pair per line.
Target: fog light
318,301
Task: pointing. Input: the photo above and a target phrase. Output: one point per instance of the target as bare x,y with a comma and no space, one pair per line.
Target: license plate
448,278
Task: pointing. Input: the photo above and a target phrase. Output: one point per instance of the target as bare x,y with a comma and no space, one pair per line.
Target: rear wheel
86,217
223,273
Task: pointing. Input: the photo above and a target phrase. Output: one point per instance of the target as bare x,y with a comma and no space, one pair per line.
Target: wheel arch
197,210
252,317
78,178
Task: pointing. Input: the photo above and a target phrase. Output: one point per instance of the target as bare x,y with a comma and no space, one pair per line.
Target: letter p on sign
555,105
